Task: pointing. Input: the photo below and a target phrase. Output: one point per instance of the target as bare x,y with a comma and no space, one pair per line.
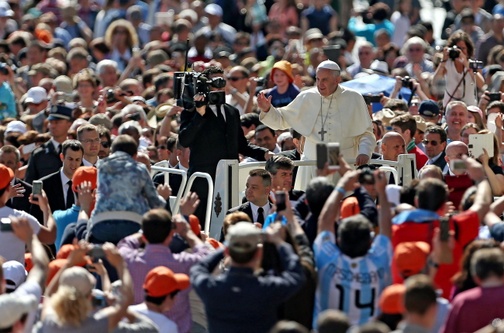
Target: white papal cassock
343,116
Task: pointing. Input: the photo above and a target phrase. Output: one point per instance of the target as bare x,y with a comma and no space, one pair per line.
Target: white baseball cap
14,306
36,95
14,274
5,9
16,126
214,9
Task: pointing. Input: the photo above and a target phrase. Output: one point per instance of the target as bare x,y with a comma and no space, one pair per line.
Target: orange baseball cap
6,175
65,251
411,257
161,281
285,67
391,299
82,174
195,225
54,267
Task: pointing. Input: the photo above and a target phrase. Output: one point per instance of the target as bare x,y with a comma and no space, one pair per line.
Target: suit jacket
245,208
54,190
23,203
441,162
210,140
44,161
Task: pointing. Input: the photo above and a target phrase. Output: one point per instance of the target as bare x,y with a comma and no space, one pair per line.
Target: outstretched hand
263,102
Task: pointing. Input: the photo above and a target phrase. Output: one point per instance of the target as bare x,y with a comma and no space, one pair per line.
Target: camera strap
452,95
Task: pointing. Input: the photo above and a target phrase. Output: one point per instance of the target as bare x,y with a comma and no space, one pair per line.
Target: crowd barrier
231,177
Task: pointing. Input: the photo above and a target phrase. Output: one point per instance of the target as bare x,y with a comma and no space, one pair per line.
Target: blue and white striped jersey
352,286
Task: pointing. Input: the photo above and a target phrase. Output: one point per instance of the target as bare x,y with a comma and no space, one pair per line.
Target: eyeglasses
105,144
97,140
231,78
432,142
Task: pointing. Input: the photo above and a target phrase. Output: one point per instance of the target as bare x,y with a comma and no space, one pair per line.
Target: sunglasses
161,147
105,144
432,142
234,79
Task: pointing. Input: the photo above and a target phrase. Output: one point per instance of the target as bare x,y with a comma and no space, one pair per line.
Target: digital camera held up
453,52
407,83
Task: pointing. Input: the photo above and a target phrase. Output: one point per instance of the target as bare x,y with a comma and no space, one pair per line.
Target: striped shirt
141,261
352,286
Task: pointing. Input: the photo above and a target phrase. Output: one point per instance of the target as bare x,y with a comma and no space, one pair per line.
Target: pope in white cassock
327,113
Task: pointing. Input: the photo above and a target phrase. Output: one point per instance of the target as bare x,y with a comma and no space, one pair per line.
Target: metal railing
174,200
209,197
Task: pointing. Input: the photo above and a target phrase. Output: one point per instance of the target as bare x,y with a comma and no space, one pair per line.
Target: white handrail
183,174
209,196
162,164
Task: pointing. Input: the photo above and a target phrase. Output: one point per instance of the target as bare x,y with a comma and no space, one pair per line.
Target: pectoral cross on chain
322,132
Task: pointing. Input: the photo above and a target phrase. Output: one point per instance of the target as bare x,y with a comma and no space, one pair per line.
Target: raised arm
331,209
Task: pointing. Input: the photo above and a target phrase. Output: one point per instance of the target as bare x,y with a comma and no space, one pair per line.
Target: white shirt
164,324
87,163
56,144
234,102
64,181
266,209
11,247
434,159
214,110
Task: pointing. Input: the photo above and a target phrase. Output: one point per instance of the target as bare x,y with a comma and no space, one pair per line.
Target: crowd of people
93,93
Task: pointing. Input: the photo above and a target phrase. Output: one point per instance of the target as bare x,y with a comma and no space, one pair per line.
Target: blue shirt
7,102
319,18
368,30
351,285
278,100
63,218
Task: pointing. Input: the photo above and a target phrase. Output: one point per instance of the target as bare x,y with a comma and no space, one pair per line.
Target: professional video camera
189,84
453,52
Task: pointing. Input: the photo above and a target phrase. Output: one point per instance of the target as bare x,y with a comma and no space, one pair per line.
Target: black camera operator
462,75
212,130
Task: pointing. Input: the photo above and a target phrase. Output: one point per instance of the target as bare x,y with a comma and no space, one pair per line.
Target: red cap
411,257
161,281
6,175
54,267
82,174
391,299
64,253
194,223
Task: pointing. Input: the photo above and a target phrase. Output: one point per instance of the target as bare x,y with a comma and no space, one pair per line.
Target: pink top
285,17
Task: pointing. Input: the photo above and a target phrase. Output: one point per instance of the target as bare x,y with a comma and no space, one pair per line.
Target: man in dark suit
213,133
58,185
280,169
21,190
435,145
257,191
182,154
46,160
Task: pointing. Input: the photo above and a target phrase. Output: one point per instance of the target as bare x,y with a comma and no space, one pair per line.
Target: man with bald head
454,151
392,146
325,113
457,183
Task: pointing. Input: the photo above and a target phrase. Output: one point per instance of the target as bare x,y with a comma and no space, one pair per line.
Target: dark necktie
70,195
260,215
59,149
219,113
